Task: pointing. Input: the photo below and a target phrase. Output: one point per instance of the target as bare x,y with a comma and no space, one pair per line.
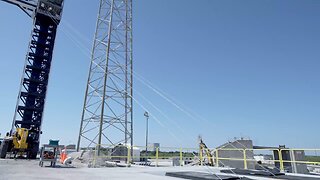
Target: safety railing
285,160
154,156
246,158
262,158
301,159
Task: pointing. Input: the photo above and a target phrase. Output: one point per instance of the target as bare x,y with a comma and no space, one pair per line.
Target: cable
149,85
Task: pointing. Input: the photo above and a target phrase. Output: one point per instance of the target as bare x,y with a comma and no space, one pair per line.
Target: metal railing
182,156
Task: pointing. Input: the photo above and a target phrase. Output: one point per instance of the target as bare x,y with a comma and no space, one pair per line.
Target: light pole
146,114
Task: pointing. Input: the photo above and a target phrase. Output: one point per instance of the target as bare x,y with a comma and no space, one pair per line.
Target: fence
285,160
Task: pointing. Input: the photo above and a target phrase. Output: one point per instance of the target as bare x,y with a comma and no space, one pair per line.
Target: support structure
46,16
107,112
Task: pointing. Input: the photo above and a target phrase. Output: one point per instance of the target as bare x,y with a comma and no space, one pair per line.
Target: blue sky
234,68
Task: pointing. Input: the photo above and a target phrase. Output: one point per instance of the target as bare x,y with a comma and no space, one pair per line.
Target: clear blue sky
248,68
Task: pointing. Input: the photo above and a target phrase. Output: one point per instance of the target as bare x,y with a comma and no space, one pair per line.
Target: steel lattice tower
107,112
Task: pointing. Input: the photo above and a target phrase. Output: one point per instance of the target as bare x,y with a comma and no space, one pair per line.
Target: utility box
176,161
153,147
119,153
226,151
291,155
135,154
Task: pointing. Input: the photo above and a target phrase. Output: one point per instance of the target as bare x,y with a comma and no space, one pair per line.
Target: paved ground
30,170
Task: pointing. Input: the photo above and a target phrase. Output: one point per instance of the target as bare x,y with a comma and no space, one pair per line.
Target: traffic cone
63,155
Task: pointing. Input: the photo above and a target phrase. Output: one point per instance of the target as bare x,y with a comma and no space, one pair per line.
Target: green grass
166,155
313,158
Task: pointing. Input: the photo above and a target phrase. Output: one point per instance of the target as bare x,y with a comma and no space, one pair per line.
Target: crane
27,121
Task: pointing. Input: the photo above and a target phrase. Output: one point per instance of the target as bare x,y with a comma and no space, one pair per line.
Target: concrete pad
30,170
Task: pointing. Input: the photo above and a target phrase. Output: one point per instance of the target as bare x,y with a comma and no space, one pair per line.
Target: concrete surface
29,170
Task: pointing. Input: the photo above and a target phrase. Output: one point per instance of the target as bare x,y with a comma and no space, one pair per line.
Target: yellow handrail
181,153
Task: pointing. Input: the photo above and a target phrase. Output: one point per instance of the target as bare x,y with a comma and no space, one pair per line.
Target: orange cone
63,155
